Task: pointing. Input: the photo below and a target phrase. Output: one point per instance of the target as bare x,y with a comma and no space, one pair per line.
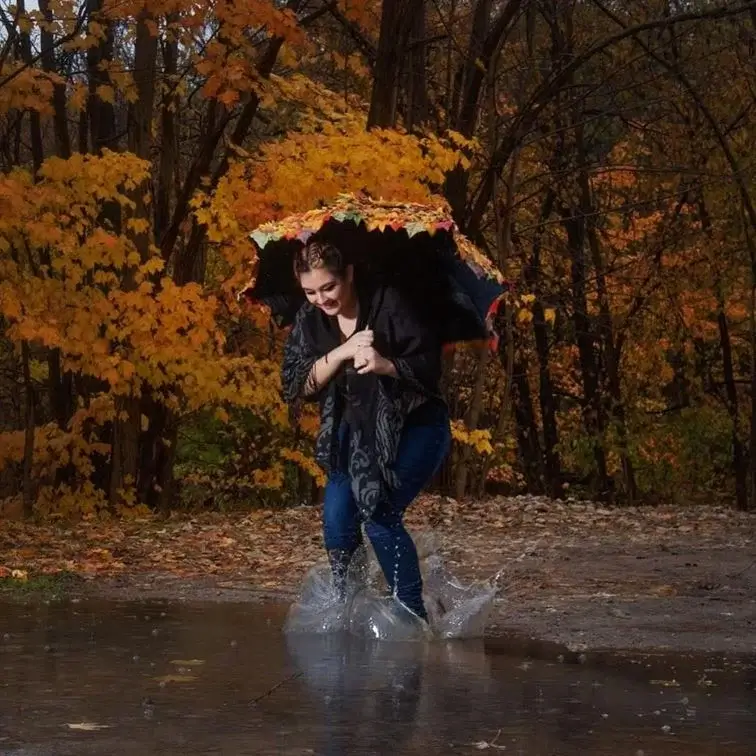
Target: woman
384,429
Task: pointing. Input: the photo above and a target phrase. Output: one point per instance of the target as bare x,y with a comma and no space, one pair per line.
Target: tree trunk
417,79
29,428
157,454
102,119
552,462
528,442
593,416
125,454
731,395
739,458
158,439
471,420
606,334
397,17
125,448
751,504
166,179
506,399
486,38
466,94
60,117
59,383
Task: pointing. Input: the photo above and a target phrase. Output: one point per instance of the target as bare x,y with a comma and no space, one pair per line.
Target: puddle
160,678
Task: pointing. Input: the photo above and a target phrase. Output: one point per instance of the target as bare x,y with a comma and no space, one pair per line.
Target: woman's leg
341,528
421,451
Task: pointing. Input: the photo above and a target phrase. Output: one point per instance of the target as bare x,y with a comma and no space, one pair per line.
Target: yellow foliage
322,159
272,477
85,501
26,88
308,464
479,439
80,271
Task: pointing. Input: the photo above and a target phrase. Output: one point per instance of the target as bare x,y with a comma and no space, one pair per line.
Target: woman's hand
368,360
353,345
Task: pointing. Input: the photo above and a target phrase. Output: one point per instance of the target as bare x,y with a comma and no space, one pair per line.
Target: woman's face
329,292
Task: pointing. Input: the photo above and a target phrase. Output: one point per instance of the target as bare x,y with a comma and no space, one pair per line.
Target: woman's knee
340,519
421,452
385,529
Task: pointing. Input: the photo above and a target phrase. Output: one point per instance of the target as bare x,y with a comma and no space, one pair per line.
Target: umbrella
416,248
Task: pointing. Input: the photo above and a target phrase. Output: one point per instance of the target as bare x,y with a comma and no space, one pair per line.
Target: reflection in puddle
470,695
109,678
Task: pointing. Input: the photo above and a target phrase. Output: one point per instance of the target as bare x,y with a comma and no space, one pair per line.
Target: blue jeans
422,448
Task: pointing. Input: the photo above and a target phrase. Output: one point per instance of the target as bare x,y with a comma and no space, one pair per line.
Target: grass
53,586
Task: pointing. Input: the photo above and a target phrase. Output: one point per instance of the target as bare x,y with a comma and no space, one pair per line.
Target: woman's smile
330,293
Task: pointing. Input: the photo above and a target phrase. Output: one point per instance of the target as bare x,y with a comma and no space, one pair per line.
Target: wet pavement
164,678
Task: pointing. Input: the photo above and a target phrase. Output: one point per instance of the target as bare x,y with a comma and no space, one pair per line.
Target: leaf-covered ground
570,568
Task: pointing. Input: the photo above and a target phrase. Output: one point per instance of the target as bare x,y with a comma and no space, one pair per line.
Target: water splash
455,609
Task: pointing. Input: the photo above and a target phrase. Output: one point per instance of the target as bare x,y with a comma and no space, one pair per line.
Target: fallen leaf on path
272,549
86,726
663,590
176,678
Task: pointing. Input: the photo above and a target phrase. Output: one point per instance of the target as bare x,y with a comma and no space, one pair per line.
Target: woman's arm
412,351
325,368
322,371
369,360
305,374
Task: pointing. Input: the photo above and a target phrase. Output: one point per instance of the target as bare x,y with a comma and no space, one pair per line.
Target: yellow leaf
524,316
138,225
25,24
106,93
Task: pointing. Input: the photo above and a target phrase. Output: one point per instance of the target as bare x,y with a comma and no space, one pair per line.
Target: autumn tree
152,153
596,151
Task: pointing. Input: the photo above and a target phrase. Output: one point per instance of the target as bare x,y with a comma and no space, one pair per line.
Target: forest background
598,151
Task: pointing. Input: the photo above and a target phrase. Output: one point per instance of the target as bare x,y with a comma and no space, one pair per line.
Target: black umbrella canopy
415,248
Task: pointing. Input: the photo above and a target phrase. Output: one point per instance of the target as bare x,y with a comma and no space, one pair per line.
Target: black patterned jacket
378,405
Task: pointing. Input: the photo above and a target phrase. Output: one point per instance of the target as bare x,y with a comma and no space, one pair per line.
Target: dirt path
575,574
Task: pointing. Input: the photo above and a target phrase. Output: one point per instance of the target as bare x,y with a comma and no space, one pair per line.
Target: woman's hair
317,254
